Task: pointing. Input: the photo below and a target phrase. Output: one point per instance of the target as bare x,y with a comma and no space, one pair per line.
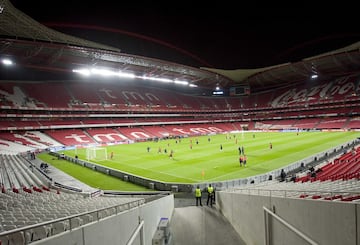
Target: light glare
314,76
106,72
7,62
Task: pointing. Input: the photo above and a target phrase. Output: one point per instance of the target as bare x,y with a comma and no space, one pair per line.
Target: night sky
217,34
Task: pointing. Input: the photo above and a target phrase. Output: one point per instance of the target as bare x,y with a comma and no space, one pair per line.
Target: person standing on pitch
198,196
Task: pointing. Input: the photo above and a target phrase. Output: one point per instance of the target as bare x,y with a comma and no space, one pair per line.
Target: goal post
96,153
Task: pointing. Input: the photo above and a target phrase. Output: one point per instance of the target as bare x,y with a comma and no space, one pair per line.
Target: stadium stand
34,208
331,184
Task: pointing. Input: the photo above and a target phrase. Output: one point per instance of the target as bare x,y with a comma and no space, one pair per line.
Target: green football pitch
201,159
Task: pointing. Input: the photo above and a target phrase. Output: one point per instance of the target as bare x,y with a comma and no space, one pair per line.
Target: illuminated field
206,162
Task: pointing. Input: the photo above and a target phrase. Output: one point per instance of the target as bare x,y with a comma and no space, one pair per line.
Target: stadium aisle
194,225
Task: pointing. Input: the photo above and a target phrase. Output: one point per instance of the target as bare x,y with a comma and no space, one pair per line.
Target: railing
296,193
98,214
140,229
268,213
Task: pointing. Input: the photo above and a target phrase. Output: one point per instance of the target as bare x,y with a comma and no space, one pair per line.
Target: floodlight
314,76
7,62
181,82
85,72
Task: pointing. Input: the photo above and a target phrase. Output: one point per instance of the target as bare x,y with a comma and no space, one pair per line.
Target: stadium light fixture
108,73
159,79
84,72
313,76
7,62
103,72
181,82
217,88
314,72
218,92
125,74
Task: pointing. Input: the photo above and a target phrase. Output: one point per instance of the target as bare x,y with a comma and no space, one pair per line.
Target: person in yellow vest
198,196
210,198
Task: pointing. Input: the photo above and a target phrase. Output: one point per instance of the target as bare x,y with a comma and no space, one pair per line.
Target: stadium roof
344,61
39,48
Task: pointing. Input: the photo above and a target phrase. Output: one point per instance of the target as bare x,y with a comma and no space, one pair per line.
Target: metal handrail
139,228
286,224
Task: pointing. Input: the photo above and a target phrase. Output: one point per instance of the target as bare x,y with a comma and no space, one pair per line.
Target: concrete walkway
202,226
198,225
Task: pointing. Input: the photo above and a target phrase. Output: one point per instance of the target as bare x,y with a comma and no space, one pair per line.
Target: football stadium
142,151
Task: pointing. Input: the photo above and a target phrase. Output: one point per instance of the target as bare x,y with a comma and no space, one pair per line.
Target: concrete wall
325,222
119,228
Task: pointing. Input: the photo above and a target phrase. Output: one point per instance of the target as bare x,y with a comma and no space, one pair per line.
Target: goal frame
93,153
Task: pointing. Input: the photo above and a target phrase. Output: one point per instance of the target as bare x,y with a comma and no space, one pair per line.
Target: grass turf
205,161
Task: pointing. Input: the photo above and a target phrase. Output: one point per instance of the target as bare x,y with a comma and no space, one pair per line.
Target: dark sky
218,34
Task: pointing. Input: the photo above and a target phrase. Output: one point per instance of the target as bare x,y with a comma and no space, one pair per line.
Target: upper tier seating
127,96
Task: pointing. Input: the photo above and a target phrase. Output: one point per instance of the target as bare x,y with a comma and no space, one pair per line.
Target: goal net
96,153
